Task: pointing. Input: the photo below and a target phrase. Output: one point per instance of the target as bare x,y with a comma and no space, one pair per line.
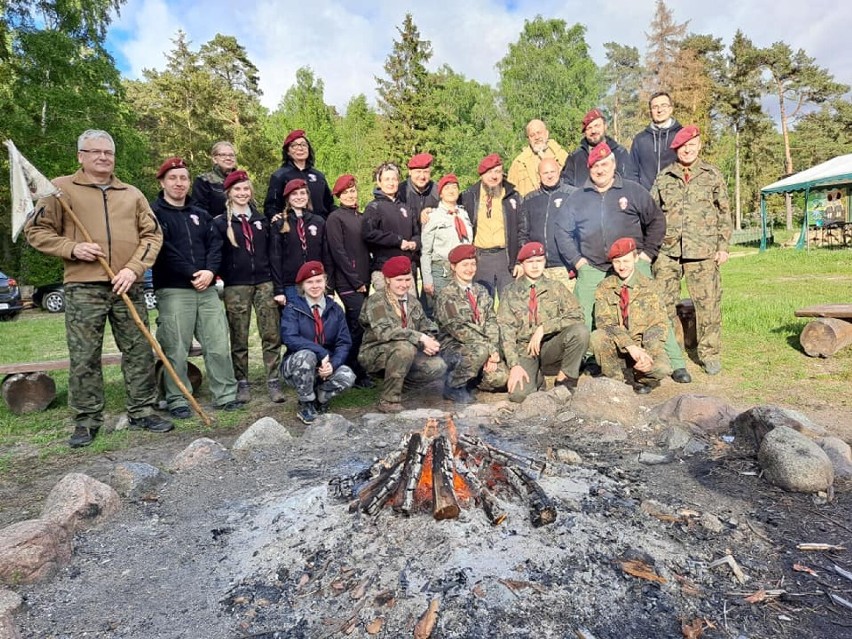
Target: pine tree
664,40
623,78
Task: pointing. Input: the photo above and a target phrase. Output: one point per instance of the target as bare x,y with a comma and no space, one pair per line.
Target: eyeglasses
299,145
661,107
225,155
103,152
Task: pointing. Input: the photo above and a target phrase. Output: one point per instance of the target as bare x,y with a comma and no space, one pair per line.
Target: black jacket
239,267
596,220
515,220
576,169
208,192
387,223
544,207
650,153
321,198
346,255
288,253
417,201
187,246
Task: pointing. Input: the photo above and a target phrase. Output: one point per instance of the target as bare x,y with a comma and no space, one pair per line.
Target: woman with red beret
297,163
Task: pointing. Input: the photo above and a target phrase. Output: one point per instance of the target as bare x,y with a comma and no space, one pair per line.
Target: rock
674,437
329,426
478,412
420,414
703,412
711,523
119,422
78,501
372,420
264,434
9,603
137,481
605,432
32,551
202,452
840,454
653,459
694,446
793,462
568,456
541,404
751,426
604,399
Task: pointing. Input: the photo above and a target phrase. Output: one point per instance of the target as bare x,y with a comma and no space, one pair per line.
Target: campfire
443,472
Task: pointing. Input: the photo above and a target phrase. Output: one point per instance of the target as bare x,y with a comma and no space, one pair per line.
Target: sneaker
681,376
457,394
243,391
365,382
389,407
322,407
713,367
180,412
275,394
83,436
306,413
153,423
234,404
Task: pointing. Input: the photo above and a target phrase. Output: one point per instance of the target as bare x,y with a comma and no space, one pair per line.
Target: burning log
444,502
347,487
505,457
489,503
542,507
390,484
413,472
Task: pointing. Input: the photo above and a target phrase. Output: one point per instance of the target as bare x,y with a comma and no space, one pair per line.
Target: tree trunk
737,199
824,336
788,157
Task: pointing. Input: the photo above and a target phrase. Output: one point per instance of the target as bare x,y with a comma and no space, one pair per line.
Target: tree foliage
664,44
622,76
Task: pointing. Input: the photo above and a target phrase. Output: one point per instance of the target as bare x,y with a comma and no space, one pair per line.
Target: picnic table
829,332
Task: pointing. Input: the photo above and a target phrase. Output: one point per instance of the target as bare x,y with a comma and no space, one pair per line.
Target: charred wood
413,471
489,503
444,503
542,507
475,445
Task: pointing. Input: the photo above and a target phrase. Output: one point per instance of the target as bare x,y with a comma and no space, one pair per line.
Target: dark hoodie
186,244
650,153
387,222
576,170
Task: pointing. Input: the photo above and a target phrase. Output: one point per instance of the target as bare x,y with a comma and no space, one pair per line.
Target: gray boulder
604,399
78,501
137,481
9,603
264,434
793,462
751,426
702,412
202,452
33,550
840,454
328,427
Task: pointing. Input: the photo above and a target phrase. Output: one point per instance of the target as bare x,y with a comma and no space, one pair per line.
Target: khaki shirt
490,231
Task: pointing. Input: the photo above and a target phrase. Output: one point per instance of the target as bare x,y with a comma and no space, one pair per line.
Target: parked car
52,297
10,298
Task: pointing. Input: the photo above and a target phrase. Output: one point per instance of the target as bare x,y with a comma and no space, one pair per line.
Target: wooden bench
830,332
27,387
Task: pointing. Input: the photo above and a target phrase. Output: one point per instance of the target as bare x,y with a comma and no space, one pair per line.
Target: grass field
762,359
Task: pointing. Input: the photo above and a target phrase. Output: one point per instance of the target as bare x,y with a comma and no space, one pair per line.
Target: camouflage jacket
557,310
698,216
382,324
647,320
455,317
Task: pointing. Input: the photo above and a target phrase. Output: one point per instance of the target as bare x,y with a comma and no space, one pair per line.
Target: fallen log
489,503
824,336
444,502
542,507
28,392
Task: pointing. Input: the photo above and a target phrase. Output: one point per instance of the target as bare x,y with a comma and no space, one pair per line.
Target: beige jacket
523,173
118,219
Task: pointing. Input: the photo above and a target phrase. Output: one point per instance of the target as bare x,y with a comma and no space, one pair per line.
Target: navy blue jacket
238,267
596,220
650,153
187,246
321,199
298,333
576,169
544,207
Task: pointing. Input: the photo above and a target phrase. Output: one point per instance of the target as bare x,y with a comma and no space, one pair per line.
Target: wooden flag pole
138,321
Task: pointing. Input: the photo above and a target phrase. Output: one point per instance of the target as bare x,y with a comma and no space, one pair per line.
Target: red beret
169,164
600,152
590,117
530,249
449,178
396,266
308,270
489,162
234,177
621,247
293,135
462,252
420,161
345,181
685,135
292,185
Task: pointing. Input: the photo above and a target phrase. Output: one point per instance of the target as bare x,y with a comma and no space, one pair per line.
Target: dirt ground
256,547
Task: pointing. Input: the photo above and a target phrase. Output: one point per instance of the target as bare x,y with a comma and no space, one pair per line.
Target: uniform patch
558,202
312,177
403,211
514,203
313,230
622,203
258,225
194,219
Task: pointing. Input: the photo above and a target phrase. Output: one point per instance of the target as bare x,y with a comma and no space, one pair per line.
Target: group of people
569,262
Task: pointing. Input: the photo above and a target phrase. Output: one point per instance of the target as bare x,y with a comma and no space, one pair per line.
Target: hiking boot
180,412
364,382
307,414
275,394
592,368
457,394
322,407
713,367
569,382
243,391
83,436
389,407
234,404
153,423
681,376
641,389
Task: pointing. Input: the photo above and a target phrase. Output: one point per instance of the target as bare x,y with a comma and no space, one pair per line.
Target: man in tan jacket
126,234
523,174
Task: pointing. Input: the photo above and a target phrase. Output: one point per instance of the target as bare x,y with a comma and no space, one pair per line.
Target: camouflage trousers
465,362
673,350
705,287
185,313
87,309
561,352
299,370
402,364
613,362
239,301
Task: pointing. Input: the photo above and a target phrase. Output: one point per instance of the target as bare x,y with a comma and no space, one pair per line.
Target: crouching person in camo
313,328
542,328
470,337
399,339
632,324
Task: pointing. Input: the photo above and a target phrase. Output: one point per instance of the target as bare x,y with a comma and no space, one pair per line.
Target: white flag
27,185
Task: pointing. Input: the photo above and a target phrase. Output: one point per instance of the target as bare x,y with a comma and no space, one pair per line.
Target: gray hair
220,144
94,134
387,166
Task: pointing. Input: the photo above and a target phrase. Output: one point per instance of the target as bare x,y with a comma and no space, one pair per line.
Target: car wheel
53,302
150,299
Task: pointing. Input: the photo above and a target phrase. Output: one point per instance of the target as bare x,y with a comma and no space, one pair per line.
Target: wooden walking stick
138,320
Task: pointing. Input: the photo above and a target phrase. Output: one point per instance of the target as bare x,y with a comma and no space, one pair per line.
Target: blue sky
346,43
